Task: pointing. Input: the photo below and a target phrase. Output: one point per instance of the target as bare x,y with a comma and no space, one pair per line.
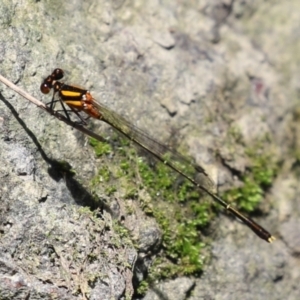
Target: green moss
110,190
174,202
180,223
101,148
180,209
159,180
85,210
131,192
125,165
103,175
255,181
143,287
122,236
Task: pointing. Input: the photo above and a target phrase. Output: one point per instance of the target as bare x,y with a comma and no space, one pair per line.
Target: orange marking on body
75,104
65,93
92,111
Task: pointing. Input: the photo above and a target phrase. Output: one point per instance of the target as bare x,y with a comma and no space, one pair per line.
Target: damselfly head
46,86
49,82
57,74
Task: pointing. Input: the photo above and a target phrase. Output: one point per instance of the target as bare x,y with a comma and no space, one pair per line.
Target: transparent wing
166,155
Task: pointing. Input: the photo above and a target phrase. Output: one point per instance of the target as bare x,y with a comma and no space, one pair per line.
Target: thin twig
56,114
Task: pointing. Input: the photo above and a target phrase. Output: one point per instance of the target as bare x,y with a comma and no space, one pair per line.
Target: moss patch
256,180
178,207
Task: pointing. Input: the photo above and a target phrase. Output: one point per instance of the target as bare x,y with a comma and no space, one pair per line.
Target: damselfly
79,99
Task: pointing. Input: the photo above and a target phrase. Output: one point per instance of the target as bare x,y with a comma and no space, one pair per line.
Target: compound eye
58,74
45,88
